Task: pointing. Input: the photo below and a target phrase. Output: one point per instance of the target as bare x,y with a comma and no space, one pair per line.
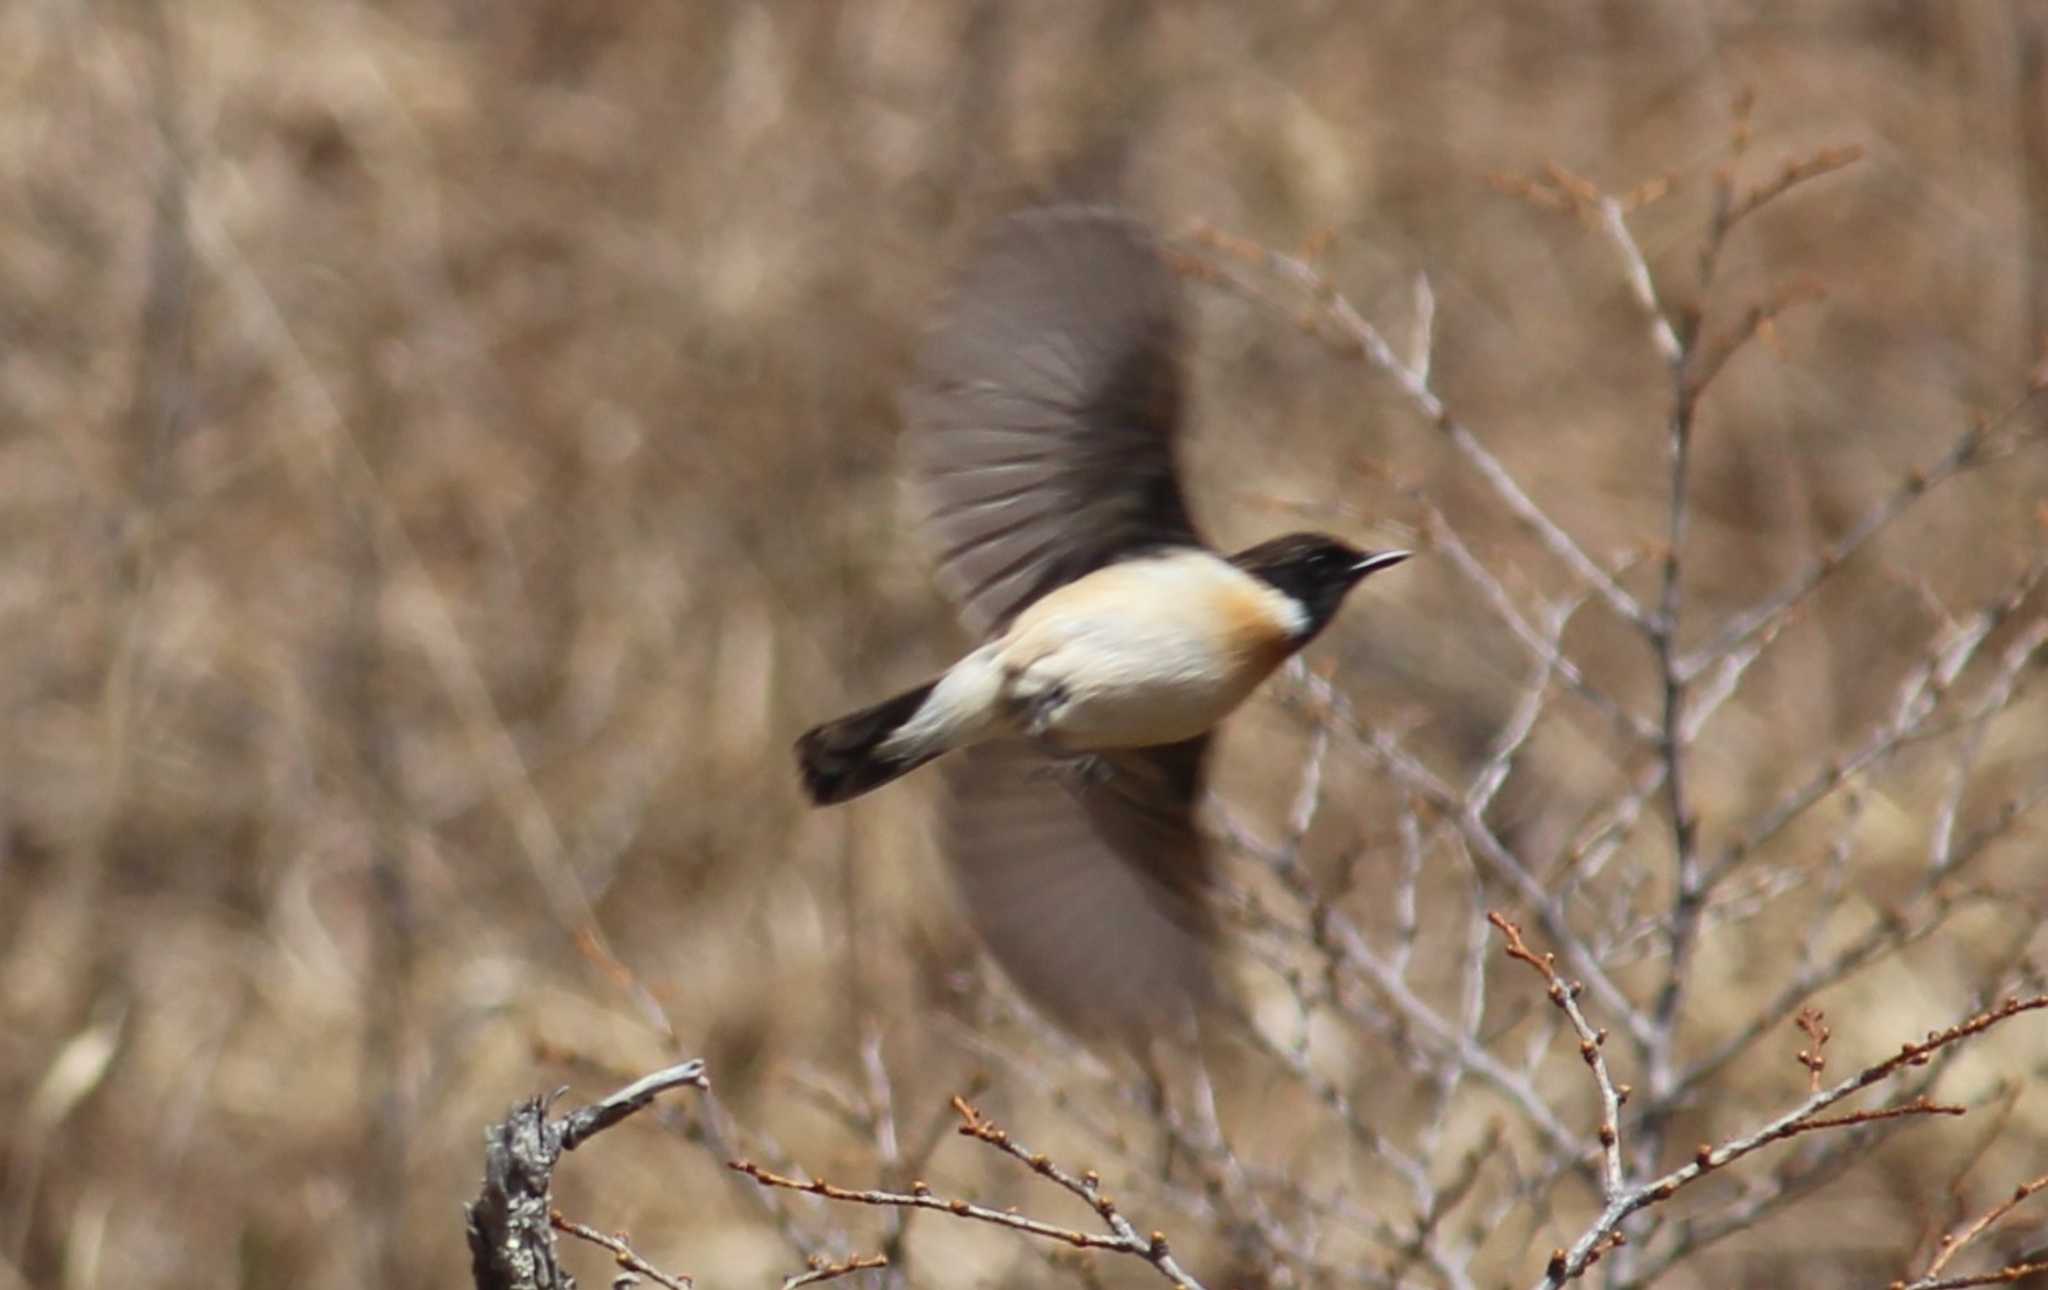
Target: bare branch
828,1271
1121,1238
1954,1244
1340,939
1974,447
2010,1274
1485,843
621,1251
1813,1025
1636,272
1445,539
510,1224
1359,337
1923,689
1806,1173
1591,1043
1569,1264
1708,360
1794,172
579,1127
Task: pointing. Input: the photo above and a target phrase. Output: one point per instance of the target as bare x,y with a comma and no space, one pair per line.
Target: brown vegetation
447,451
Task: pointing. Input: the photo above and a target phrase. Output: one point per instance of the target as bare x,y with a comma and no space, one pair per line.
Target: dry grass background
447,452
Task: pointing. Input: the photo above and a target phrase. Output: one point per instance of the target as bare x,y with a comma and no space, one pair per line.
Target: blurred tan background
447,452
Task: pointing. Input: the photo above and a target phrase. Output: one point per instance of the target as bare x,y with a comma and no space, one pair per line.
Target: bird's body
1152,650
1115,640
1126,657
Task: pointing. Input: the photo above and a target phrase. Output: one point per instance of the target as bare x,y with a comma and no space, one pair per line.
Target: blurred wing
1044,409
1087,879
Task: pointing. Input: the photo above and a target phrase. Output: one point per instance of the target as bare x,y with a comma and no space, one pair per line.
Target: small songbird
1042,419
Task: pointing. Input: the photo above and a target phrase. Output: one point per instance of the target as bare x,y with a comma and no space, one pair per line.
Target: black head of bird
1317,570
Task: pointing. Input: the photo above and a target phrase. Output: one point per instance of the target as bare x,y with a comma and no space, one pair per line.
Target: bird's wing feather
1044,409
1086,879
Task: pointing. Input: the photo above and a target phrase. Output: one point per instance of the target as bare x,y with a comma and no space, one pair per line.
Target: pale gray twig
1975,446
831,1271
1414,381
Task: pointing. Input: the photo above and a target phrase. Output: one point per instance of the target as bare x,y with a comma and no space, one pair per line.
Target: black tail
840,759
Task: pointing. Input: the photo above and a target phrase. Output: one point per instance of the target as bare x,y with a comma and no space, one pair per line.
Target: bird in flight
1042,422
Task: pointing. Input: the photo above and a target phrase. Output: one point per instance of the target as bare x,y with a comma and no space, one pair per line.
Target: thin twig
2007,1275
1340,939
579,1126
1792,174
1926,684
1121,1238
1675,346
828,1271
1592,1041
1445,540
1636,272
1953,1245
1568,1264
1486,845
1811,1170
1359,337
621,1251
1974,447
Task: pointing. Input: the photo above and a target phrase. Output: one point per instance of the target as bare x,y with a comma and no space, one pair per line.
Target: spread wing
1044,409
1085,878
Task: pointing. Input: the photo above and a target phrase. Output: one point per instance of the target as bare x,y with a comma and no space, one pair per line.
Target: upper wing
1087,881
1044,409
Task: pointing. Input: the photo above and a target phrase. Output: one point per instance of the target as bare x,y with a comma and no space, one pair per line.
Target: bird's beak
1377,561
